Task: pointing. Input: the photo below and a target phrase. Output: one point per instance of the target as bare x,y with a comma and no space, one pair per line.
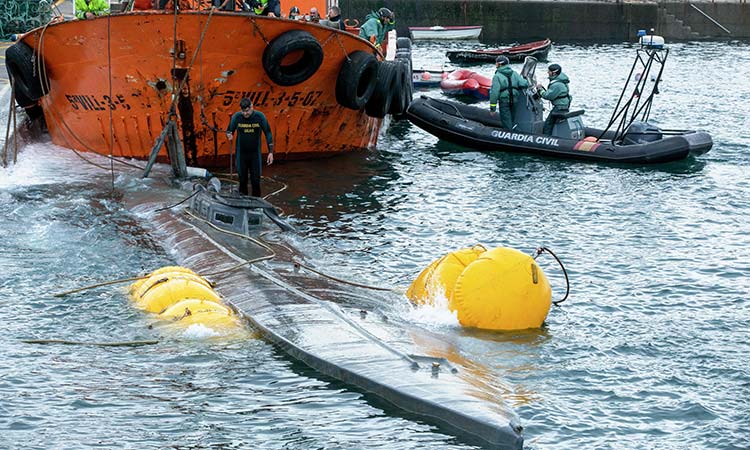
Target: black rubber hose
541,250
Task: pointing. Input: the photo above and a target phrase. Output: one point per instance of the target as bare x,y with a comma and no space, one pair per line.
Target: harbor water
649,351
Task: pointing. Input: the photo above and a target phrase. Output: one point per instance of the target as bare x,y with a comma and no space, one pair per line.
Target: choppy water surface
650,351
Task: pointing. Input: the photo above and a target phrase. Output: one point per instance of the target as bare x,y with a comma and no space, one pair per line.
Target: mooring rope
299,264
94,286
111,121
178,203
11,110
97,344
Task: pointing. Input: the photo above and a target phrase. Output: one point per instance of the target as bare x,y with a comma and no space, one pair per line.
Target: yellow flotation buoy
499,289
167,269
180,296
194,311
440,276
167,288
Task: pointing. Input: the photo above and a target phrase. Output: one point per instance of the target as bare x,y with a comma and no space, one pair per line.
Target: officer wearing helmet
507,86
558,93
377,25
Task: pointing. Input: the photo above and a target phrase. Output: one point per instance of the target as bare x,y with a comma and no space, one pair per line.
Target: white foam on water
46,163
434,315
198,331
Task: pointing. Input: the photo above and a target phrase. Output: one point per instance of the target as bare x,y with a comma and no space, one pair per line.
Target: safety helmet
502,60
555,69
385,13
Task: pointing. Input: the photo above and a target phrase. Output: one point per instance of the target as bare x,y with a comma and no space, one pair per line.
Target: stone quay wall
567,20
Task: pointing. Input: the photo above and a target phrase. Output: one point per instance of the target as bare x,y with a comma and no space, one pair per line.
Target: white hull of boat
437,32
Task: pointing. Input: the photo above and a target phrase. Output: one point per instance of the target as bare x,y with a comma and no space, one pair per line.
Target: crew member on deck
270,8
88,9
249,123
558,93
224,5
507,86
294,13
334,19
377,25
314,15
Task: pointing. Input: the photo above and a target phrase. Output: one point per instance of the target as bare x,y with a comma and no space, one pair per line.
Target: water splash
432,315
198,331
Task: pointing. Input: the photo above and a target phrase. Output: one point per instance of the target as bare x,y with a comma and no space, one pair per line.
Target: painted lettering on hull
262,99
526,138
91,102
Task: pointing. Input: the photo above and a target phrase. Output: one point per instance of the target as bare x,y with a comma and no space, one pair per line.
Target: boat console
528,114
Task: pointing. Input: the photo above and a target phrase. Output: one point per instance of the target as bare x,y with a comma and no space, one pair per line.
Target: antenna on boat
637,96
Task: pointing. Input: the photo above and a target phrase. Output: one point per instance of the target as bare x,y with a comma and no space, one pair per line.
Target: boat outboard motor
641,133
527,112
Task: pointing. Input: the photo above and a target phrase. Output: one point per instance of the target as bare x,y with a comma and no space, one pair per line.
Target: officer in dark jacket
334,19
249,124
507,86
558,93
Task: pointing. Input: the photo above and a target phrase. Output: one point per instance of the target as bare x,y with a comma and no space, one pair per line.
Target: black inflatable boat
474,127
628,138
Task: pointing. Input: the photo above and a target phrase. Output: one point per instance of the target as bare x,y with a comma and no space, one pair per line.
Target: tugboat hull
107,85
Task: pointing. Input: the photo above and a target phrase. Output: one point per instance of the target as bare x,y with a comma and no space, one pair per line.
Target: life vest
259,6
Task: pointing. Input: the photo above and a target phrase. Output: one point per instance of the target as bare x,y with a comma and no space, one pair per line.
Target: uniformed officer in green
376,26
558,93
506,88
88,9
270,8
249,123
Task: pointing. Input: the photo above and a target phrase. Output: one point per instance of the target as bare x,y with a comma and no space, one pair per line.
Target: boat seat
567,115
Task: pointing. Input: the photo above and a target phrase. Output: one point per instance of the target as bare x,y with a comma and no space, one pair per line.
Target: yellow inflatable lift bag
180,296
194,311
500,289
164,289
440,276
167,269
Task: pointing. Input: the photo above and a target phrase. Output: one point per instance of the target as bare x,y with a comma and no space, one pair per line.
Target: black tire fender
380,102
398,91
403,42
292,58
357,79
19,60
402,100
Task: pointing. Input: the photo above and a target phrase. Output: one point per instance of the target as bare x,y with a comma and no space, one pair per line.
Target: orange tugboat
113,84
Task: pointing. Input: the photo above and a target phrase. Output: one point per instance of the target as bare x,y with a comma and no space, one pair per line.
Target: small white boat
438,32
